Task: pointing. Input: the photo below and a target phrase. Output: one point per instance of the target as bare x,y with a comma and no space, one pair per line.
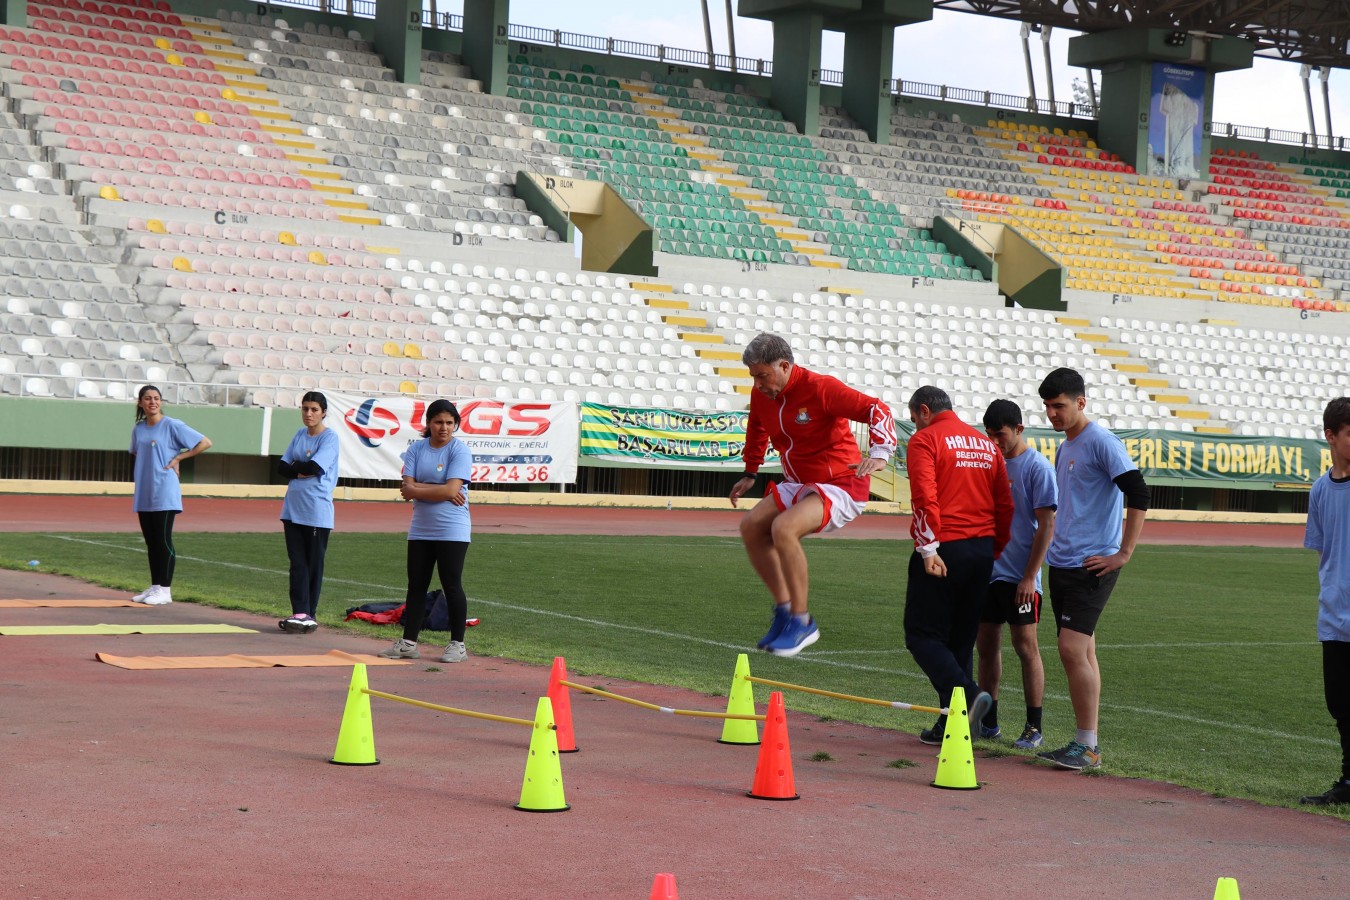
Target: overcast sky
955,49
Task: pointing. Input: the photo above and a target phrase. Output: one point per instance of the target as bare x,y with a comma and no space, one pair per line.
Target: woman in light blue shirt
436,475
159,444
310,467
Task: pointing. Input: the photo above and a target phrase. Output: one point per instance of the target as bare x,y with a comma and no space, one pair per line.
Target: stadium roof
1316,32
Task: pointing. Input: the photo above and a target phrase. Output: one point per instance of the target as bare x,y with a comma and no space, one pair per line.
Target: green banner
665,436
668,437
1258,461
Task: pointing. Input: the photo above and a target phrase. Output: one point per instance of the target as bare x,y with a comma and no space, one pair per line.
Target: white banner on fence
512,443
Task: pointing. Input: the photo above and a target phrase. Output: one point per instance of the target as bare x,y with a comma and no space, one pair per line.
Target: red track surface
213,783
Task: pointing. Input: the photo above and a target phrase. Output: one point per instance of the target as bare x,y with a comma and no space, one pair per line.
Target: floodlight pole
1049,73
1031,75
1304,72
1325,74
731,36
707,35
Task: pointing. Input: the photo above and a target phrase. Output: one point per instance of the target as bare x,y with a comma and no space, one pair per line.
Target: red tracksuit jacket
958,486
808,424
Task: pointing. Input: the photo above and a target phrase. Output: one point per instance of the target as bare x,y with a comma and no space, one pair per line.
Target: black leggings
157,529
306,547
447,558
1336,681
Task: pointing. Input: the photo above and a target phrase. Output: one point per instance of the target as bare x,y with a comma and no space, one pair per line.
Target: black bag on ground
437,616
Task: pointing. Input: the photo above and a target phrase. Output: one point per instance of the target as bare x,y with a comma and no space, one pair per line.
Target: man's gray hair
935,398
766,349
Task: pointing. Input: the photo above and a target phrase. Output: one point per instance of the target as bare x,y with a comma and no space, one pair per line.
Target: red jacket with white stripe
958,486
808,424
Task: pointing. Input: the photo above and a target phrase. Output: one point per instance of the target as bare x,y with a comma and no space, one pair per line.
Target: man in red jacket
963,510
825,483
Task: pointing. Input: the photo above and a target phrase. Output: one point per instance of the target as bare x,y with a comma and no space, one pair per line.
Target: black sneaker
933,736
1339,793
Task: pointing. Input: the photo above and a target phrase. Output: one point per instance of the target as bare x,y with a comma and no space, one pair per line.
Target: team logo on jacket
803,416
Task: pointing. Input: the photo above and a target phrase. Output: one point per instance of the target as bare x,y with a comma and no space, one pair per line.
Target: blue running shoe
1031,738
782,614
1075,756
795,638
990,734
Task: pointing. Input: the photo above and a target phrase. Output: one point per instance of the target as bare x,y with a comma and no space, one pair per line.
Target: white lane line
809,658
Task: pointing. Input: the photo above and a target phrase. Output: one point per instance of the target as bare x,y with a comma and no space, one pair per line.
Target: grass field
1211,668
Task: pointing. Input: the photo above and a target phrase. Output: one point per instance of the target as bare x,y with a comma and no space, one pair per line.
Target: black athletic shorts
1078,597
1000,605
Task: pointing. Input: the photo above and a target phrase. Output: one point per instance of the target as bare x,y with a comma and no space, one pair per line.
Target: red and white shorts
840,508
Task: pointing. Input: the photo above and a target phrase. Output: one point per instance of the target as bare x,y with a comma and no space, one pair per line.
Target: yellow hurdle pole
653,707
449,709
893,704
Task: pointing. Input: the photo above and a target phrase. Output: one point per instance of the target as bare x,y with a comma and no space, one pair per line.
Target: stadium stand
243,211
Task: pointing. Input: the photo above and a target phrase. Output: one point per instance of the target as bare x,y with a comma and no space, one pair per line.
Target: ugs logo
373,422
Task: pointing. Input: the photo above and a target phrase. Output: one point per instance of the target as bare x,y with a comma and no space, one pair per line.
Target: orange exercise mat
77,602
240,661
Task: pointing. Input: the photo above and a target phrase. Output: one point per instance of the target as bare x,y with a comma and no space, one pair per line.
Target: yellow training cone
956,761
542,790
1226,889
356,738
740,702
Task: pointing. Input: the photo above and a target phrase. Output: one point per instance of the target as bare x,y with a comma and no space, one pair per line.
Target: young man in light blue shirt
1014,594
1088,550
1328,533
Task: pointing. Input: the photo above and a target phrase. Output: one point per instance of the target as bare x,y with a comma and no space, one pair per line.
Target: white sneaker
401,650
140,598
158,596
454,652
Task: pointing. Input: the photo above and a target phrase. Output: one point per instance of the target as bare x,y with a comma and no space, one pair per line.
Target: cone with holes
663,887
773,773
356,737
956,759
542,790
561,699
740,702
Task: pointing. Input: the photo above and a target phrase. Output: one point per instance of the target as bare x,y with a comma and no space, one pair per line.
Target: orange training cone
740,702
1226,889
663,887
561,698
956,760
773,772
356,737
542,790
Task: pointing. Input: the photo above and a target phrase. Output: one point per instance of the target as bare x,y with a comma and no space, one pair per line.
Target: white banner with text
512,442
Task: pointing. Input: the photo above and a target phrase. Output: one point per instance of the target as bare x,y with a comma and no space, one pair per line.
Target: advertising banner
1174,125
1212,457
512,443
665,436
